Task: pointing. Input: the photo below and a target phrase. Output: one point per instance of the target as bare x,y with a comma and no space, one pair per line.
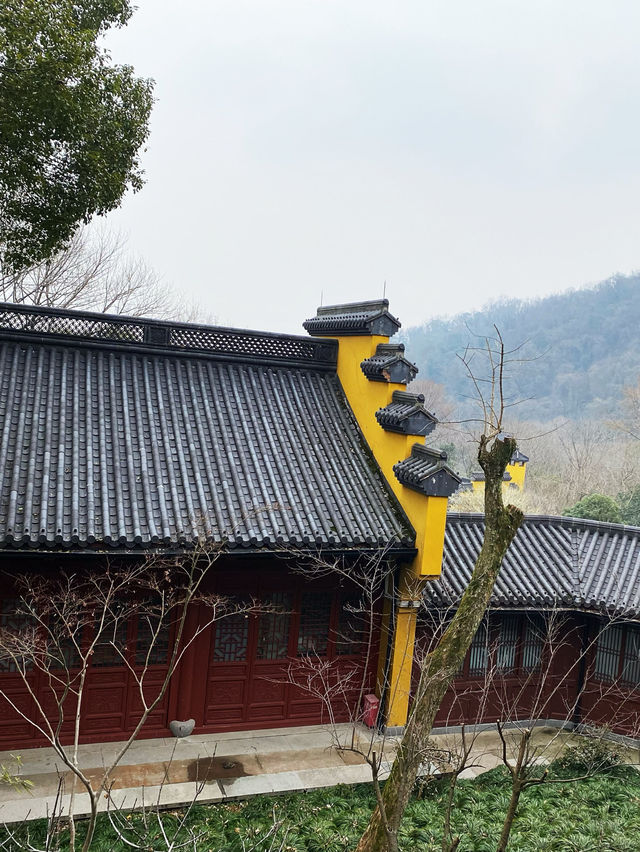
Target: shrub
591,754
596,507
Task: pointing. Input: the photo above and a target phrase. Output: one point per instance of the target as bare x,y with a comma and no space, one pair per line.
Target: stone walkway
170,771
224,766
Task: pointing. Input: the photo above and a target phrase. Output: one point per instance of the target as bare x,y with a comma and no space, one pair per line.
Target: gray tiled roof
552,561
388,364
112,445
478,476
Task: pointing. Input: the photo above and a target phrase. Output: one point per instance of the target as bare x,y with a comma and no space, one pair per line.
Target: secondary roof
552,562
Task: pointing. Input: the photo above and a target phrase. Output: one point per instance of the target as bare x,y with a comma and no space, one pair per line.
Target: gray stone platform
172,771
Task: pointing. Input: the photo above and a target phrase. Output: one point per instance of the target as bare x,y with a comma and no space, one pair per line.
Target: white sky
459,150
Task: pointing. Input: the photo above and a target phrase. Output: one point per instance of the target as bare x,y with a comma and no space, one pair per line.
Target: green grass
601,814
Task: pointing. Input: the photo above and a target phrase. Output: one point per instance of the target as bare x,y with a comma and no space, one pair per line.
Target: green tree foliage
582,349
596,507
71,122
630,506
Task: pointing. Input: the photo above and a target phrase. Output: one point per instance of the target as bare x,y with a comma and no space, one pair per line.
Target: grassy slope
601,814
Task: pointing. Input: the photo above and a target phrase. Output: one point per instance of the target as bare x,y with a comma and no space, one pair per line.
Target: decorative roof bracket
406,414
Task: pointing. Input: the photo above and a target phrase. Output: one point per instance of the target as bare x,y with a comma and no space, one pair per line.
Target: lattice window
14,622
273,628
111,645
315,615
608,654
507,644
231,639
243,343
350,625
158,655
227,341
533,643
631,661
72,325
479,652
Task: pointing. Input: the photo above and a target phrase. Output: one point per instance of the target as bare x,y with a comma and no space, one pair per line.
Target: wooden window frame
493,625
627,629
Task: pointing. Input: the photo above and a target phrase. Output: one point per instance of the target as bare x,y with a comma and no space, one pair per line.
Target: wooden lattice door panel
252,663
105,702
229,670
14,729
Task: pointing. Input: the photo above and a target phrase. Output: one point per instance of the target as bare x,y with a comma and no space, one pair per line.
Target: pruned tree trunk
441,665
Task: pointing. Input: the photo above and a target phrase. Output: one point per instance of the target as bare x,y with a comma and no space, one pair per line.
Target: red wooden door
112,703
269,669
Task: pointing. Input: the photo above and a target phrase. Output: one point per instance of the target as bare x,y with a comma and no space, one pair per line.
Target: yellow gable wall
518,472
427,514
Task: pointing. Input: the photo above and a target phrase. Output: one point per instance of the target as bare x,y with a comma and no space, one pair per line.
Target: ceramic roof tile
104,445
353,318
426,471
566,562
388,364
406,414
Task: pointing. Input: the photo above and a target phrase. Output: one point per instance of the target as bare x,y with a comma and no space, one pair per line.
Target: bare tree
63,623
436,398
549,688
441,664
94,272
630,422
341,684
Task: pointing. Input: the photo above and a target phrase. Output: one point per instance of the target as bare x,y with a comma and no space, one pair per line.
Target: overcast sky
459,150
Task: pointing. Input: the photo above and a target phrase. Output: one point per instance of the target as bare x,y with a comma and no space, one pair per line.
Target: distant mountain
586,346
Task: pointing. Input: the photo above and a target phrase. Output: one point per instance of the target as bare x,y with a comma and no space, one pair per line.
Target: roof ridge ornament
406,414
353,318
388,364
426,471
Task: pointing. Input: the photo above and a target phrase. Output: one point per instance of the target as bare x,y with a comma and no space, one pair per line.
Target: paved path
169,771
226,766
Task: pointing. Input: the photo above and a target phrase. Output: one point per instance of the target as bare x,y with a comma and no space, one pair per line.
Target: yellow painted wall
518,472
401,665
427,514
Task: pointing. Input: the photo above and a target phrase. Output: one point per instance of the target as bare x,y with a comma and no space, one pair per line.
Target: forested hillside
582,347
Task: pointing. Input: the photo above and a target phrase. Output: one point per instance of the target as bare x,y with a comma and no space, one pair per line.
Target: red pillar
191,680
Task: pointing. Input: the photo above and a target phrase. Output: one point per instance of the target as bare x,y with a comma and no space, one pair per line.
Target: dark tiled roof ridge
372,306
561,520
371,317
425,470
147,334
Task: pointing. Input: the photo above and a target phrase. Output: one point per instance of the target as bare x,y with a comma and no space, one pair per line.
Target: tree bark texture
441,665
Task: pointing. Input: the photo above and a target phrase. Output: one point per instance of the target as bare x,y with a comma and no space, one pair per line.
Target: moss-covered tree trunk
441,665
